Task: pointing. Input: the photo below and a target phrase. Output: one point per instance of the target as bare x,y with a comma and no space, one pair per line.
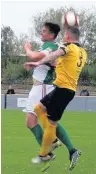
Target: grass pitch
19,145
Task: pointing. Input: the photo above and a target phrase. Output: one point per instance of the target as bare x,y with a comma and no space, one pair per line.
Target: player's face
46,35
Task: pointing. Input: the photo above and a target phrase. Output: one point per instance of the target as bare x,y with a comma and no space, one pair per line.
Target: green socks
38,133
63,136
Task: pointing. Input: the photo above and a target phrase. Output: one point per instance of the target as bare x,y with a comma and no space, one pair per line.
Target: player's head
49,31
71,34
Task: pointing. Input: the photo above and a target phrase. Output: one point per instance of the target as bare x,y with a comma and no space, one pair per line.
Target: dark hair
53,28
75,31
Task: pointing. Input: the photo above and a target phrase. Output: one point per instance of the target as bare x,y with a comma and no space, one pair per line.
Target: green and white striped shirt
45,73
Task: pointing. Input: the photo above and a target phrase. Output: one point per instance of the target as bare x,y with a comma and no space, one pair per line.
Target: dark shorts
56,102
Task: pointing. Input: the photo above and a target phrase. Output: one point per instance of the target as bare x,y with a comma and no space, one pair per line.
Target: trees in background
12,59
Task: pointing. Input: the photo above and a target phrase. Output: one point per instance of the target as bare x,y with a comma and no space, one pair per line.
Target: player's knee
39,109
28,125
31,120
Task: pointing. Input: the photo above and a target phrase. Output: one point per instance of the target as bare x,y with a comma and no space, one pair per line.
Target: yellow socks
49,135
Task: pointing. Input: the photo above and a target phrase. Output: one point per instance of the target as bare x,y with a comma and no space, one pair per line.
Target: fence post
5,101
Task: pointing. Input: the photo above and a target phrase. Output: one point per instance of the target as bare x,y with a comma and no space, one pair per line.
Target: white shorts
35,95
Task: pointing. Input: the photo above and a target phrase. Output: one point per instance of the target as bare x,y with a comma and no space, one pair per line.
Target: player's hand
53,63
27,46
28,66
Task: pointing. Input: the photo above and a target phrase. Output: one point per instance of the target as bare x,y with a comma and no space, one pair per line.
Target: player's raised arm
33,55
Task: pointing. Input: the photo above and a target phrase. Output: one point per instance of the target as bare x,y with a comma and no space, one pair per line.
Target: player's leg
49,135
54,113
34,127
31,119
63,136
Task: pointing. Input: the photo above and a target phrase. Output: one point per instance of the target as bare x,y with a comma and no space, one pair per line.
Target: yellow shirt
69,66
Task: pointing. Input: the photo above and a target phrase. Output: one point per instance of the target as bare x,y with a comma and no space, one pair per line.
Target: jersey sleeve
48,47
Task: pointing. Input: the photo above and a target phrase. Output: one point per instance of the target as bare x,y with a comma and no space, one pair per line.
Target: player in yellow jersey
71,58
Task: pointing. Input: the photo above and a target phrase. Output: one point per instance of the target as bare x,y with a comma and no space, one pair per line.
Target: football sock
38,133
63,136
49,137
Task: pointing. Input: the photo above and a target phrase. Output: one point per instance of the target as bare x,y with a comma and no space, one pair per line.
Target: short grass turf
19,145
